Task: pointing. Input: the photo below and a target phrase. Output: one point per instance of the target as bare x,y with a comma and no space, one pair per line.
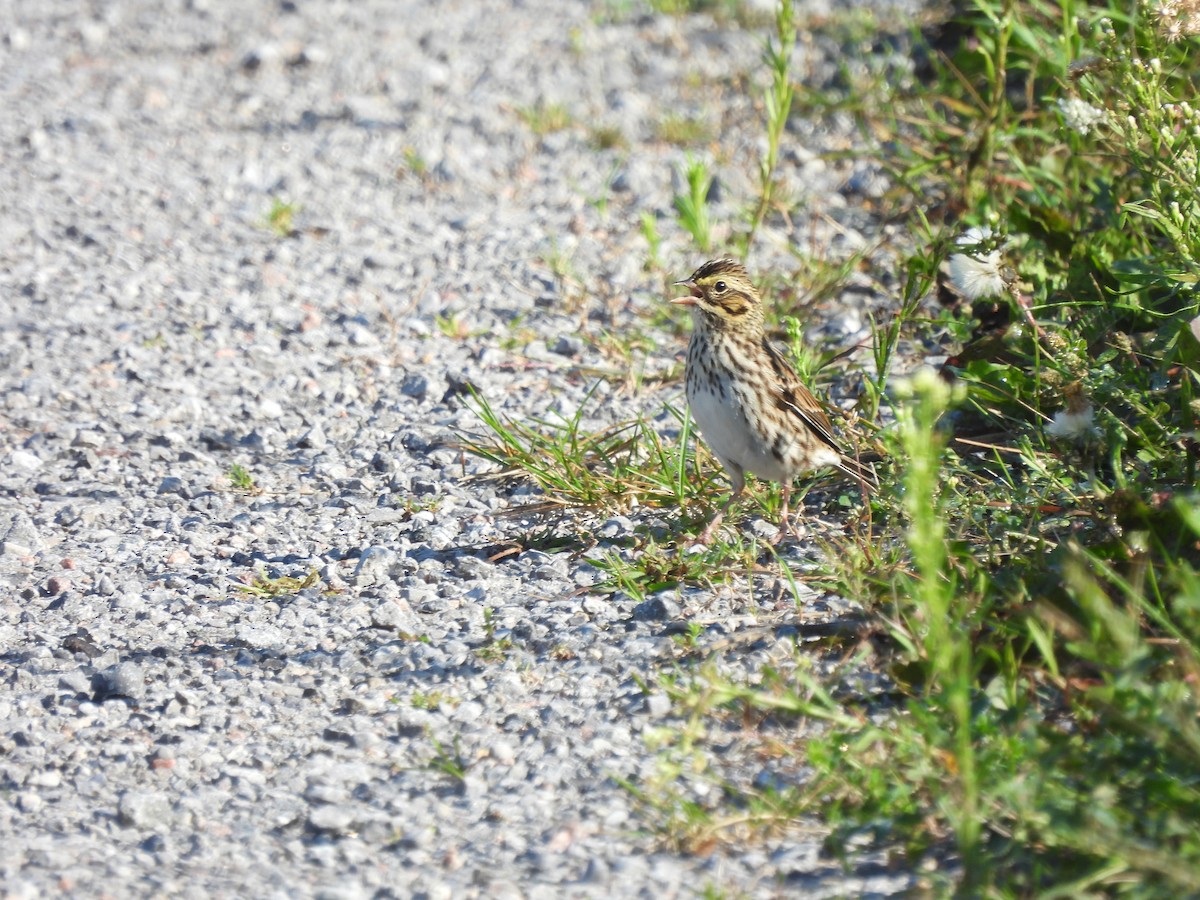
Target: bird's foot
710,531
787,529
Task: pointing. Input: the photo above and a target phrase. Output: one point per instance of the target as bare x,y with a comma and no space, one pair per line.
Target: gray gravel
426,721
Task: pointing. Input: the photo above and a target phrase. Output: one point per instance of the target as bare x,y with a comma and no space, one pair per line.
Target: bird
748,402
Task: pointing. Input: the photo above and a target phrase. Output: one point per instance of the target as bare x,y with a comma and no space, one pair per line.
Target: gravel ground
164,732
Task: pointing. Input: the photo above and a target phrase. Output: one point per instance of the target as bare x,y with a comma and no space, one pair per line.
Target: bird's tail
861,472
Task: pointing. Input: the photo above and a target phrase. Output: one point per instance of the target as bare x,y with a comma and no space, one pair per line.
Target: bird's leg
707,534
739,482
866,500
785,524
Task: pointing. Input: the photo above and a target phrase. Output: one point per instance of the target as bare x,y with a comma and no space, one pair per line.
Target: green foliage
545,118
241,479
614,469
682,131
281,217
495,648
448,761
777,100
414,163
693,206
1043,623
262,585
653,239
607,137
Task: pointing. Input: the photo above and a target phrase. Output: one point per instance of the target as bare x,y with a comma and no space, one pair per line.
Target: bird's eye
720,287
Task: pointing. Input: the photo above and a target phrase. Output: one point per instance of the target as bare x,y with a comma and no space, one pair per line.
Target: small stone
47,778
658,705
122,680
617,526
29,802
77,681
374,566
414,385
657,609
21,539
597,872
336,818
270,409
423,488
24,461
473,567
568,345
173,484
149,809
468,711
392,615
313,439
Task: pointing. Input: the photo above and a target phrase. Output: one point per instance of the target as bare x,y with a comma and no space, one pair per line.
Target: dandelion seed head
1077,422
1167,9
978,271
1074,427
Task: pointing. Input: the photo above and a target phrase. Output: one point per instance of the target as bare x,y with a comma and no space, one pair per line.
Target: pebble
123,680
658,608
145,810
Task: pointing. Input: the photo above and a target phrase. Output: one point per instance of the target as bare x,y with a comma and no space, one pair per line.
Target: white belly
727,432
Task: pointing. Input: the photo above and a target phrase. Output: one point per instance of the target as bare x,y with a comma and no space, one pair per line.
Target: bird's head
721,296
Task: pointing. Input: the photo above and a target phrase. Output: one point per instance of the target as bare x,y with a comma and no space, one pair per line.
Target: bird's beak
693,293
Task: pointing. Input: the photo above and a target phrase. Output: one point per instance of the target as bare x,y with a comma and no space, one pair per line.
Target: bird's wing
791,395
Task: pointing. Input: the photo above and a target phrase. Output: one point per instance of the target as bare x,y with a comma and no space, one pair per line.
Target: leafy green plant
448,761
610,470
494,648
262,585
777,99
693,206
600,201
241,479
653,239
281,217
607,137
432,700
414,163
453,325
648,566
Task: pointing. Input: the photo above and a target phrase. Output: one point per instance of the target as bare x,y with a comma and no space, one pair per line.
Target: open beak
693,293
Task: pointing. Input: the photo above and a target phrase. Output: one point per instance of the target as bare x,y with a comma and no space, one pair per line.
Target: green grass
262,585
692,206
281,217
682,131
1031,576
613,470
545,118
240,479
494,649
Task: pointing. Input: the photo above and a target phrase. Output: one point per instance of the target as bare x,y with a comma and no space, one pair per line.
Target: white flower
977,272
1079,115
1076,426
